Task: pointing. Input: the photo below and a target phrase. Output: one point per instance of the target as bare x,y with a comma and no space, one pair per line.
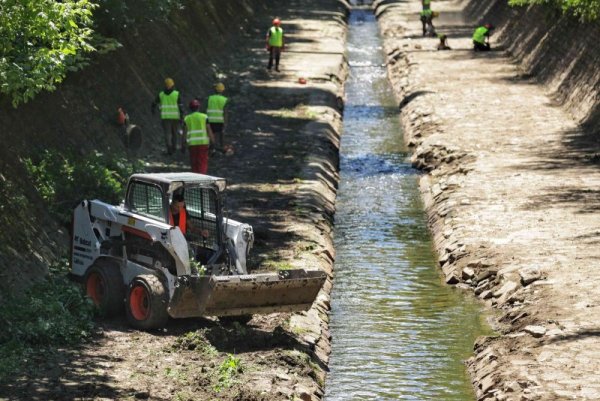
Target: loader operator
177,212
216,117
171,112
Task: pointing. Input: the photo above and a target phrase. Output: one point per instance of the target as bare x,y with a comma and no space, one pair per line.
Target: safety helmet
489,26
219,87
194,104
276,22
169,83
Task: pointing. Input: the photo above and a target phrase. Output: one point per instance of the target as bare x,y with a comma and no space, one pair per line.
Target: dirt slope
511,192
282,180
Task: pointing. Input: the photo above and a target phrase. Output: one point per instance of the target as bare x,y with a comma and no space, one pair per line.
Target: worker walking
427,16
171,112
481,37
198,136
216,116
275,44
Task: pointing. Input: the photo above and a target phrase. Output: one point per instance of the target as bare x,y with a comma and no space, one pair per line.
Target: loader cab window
201,206
146,199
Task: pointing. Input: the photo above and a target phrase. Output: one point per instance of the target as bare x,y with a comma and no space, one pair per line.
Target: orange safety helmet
276,22
194,104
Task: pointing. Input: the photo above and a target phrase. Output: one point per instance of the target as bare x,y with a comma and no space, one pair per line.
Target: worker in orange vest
177,212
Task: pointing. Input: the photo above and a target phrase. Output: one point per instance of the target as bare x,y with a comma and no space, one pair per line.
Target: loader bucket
282,291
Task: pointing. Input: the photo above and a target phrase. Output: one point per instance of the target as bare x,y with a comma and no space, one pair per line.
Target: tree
40,41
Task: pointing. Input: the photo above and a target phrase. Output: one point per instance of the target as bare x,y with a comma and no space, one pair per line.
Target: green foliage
586,10
228,371
40,41
62,180
52,313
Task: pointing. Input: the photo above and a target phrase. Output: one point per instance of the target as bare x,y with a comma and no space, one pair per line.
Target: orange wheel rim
95,288
139,302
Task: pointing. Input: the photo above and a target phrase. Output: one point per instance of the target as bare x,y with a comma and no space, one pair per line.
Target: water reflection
398,331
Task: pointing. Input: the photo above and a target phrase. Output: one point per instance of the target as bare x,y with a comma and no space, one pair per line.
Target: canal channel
398,331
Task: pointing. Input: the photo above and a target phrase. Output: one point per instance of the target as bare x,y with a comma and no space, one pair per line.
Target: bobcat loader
130,256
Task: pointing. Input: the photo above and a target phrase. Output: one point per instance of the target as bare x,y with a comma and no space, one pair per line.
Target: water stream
398,331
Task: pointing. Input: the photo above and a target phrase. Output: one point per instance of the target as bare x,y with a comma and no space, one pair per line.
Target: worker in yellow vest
216,111
171,113
198,136
481,37
427,15
275,43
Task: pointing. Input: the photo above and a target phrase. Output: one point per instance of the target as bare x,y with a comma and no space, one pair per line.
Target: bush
52,313
63,180
585,10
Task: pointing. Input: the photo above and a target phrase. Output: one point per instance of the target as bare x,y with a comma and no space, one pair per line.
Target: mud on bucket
133,137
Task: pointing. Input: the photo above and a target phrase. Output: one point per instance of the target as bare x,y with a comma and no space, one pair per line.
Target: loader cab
152,195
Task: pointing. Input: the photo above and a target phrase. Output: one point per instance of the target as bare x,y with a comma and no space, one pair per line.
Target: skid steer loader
131,256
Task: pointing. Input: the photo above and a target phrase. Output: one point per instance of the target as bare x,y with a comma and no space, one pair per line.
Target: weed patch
51,313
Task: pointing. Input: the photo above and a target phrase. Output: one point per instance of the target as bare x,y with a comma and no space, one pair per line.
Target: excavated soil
282,180
511,192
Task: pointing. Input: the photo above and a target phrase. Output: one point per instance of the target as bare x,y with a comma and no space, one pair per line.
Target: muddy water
398,331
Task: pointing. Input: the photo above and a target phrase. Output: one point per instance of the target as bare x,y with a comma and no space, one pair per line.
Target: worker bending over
198,136
481,37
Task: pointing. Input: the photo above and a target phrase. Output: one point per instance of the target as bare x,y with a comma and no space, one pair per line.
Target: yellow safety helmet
169,83
219,87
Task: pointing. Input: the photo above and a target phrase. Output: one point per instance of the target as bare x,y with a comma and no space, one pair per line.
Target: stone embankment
511,190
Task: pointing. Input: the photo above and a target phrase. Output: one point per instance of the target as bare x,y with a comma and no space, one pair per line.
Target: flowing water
398,331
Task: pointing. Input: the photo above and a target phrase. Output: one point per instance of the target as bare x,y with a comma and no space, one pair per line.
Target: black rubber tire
103,283
146,303
242,319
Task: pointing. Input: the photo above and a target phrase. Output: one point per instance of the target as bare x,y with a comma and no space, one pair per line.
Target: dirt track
512,196
282,180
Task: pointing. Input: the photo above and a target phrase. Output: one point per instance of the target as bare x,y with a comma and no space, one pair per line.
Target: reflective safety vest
169,109
196,129
426,13
216,104
479,34
182,219
276,36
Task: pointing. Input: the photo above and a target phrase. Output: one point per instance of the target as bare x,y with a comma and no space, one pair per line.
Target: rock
486,294
468,273
529,275
304,396
142,395
283,377
487,384
508,288
535,331
482,286
452,278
